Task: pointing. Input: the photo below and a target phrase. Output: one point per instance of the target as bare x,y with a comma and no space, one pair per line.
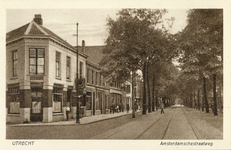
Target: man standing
67,112
162,107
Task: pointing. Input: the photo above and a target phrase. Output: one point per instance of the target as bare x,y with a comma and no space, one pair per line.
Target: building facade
40,74
41,77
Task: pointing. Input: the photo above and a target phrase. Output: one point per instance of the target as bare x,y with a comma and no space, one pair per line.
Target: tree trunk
133,106
205,96
194,98
214,95
191,101
153,91
198,99
148,86
144,91
157,101
203,103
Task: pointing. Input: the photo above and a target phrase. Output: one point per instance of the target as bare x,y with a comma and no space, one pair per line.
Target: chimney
83,46
38,19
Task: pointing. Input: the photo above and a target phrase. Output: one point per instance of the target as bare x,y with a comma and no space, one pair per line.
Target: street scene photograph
114,74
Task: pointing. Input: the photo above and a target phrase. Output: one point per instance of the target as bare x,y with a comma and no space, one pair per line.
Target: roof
34,29
95,53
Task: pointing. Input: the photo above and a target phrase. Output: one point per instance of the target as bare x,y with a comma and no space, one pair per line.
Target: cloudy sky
92,22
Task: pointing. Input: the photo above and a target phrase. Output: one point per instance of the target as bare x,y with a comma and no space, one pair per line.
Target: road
175,123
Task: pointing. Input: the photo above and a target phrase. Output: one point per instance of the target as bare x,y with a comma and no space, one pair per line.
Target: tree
134,39
202,45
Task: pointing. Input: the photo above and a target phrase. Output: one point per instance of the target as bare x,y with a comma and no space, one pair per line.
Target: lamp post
77,77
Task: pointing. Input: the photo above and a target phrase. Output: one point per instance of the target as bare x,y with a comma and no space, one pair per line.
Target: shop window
68,67
57,99
88,101
15,62
36,61
97,104
14,100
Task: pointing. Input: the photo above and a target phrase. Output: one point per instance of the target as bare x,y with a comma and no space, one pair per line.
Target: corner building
40,74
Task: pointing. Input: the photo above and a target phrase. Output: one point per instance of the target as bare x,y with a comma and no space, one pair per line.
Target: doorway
36,105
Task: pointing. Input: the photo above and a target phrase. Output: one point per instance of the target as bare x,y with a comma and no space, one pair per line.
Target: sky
92,22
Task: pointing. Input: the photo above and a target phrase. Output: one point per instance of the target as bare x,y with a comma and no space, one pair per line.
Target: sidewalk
84,120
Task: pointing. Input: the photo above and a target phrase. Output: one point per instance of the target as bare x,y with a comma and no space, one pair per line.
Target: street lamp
77,77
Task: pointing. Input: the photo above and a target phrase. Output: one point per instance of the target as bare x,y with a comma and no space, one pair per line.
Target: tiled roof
33,28
35,31
95,53
12,35
52,34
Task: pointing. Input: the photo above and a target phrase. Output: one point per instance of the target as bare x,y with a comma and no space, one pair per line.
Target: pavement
84,120
176,123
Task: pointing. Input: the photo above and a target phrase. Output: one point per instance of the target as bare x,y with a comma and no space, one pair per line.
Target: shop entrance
36,105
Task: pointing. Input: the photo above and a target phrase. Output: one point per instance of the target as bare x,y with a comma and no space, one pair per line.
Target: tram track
167,126
190,125
148,128
137,137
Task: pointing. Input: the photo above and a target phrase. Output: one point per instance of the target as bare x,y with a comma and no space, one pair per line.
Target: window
57,62
37,61
128,88
15,62
57,99
14,100
88,75
68,67
92,81
81,69
100,78
89,101
96,78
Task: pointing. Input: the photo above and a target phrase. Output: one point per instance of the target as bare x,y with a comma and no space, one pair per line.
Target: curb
68,124
106,119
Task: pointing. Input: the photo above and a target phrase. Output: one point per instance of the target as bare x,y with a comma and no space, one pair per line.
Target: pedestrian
136,107
113,108
127,107
162,107
117,108
67,112
122,107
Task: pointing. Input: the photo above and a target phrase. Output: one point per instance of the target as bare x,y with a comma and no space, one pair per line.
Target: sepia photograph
117,75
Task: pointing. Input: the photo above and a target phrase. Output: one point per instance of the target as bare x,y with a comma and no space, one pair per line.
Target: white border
88,4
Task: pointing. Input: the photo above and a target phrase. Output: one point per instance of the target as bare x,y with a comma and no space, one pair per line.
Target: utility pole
77,77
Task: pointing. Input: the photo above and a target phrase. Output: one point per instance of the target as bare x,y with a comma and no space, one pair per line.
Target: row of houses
41,76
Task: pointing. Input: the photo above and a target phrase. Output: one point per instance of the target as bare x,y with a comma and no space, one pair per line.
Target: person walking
122,108
162,108
113,108
67,112
127,107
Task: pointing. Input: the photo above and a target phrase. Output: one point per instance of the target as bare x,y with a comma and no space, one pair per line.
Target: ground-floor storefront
38,102
97,101
48,103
